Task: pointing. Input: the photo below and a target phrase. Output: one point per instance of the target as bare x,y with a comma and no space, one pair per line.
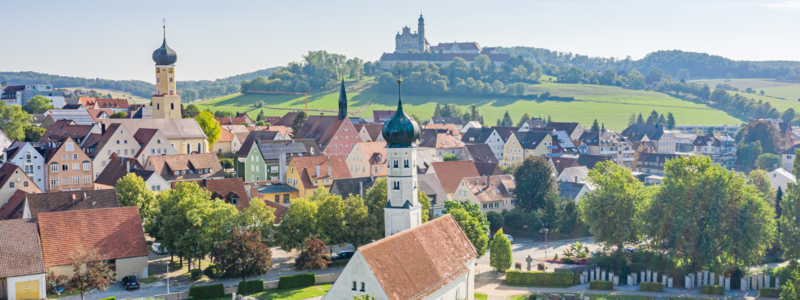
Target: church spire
342,102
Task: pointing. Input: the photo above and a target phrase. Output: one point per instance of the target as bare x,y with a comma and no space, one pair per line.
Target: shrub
555,257
211,271
109,298
341,262
560,279
567,260
250,287
517,266
651,287
576,279
769,292
602,285
196,274
297,281
712,290
541,267
206,291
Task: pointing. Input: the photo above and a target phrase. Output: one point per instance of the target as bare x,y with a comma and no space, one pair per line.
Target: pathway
499,290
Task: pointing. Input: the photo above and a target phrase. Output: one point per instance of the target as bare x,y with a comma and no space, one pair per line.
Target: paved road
522,247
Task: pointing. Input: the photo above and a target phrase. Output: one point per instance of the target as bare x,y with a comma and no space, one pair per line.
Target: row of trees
654,118
319,69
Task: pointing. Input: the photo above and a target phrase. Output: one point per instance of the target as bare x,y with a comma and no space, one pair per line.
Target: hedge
533,278
712,290
770,292
340,262
109,298
602,285
651,287
211,271
250,287
297,281
196,274
206,291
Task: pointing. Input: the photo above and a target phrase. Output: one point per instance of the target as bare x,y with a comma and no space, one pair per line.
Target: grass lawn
294,294
481,297
608,104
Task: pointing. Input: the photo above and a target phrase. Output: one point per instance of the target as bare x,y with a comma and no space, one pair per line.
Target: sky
216,39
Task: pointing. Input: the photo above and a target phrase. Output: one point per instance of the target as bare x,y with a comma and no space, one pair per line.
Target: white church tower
403,210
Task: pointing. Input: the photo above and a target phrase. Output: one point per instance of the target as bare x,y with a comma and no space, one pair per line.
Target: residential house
226,142
450,174
236,121
449,128
654,133
468,126
573,190
441,142
274,193
307,174
425,157
491,193
488,169
37,119
119,166
717,145
513,154
63,233
653,163
368,159
22,270
247,118
229,190
115,105
261,158
429,185
478,153
21,94
370,132
590,161
13,179
286,120
381,116
534,143
780,179
487,136
703,129
100,114
608,143
437,260
29,159
152,142
333,135
79,116
534,124
186,167
562,144
346,187
644,147
573,174
67,129
448,120
36,204
5,142
788,156
13,207
116,139
786,138
559,163
185,135
574,130
67,167
684,141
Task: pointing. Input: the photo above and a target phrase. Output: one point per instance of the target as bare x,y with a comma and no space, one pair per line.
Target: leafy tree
670,121
525,117
425,201
312,256
360,230
635,79
613,210
746,155
260,116
13,121
132,191
500,254
171,220
297,225
656,74
778,199
469,223
33,133
119,115
788,220
729,76
90,271
788,115
244,255
640,120
210,127
706,217
191,111
683,74
496,221
790,290
534,181
298,122
375,199
38,105
595,126
762,131
608,77
259,217
768,161
574,75
330,217
450,157
760,180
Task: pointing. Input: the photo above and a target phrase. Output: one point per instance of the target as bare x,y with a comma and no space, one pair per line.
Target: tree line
318,70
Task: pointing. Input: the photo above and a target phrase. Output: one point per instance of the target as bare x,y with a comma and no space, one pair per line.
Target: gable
356,270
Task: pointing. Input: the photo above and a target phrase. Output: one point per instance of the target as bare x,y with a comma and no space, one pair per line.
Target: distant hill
700,65
139,88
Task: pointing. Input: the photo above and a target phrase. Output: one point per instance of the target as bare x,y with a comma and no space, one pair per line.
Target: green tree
640,120
133,191
360,230
260,116
632,119
38,105
573,75
706,217
13,121
330,217
789,220
450,157
482,62
119,115
525,117
298,122
661,120
426,206
170,221
190,111
762,131
768,161
33,133
652,119
760,180
506,122
595,126
534,181
683,74
656,74
258,217
790,290
210,127
614,209
298,224
244,255
788,115
670,121
608,77
496,221
90,271
635,79
472,227
500,254
747,154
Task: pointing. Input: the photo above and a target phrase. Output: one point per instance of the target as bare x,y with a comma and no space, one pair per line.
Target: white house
780,178
21,94
152,142
488,136
788,156
573,174
29,160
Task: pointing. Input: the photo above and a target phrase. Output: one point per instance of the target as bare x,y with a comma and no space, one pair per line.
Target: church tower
342,102
421,31
403,210
166,101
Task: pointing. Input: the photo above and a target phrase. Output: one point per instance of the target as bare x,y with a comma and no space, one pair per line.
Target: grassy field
610,105
115,94
790,92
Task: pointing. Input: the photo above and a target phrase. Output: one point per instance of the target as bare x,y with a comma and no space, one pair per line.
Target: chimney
361,189
282,167
316,174
84,196
330,170
127,166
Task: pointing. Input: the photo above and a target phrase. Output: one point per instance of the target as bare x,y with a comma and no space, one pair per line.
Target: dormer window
235,201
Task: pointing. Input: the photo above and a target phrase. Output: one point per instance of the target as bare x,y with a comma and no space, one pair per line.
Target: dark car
347,254
130,282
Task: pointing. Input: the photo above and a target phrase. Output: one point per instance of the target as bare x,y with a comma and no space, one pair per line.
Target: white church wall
356,270
461,288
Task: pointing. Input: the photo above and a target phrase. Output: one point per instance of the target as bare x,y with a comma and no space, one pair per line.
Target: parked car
629,249
159,249
130,282
346,254
510,239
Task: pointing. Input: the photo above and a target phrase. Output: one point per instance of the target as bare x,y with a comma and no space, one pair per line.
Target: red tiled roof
225,135
114,232
13,208
307,168
20,250
417,262
231,121
450,173
225,189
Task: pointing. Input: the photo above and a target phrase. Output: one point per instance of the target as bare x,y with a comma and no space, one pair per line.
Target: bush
712,290
555,257
109,298
651,287
250,287
567,260
206,291
769,292
517,266
196,274
340,262
558,279
602,285
297,281
576,279
211,271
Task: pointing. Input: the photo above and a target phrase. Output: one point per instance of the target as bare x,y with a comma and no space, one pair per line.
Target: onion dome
164,55
400,131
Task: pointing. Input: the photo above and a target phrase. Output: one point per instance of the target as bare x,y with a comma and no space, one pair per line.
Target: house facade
29,159
13,179
115,139
368,159
23,274
487,136
492,193
152,142
307,174
184,135
68,168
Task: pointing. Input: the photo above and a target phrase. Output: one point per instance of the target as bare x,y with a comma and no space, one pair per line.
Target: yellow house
185,135
491,193
534,143
512,151
368,159
306,174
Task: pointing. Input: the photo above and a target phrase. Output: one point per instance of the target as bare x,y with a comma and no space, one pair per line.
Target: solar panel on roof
272,151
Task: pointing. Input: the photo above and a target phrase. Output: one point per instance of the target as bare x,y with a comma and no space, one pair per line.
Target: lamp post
545,230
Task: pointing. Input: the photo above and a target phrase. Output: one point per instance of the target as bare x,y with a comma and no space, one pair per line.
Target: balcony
628,151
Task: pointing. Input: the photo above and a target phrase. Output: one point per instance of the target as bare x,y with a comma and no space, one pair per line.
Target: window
277,198
285,198
200,147
396,164
87,179
25,184
11,185
65,167
54,168
75,156
170,79
355,285
405,164
235,201
53,181
396,185
76,180
70,146
76,167
28,158
65,180
158,105
363,288
87,166
171,105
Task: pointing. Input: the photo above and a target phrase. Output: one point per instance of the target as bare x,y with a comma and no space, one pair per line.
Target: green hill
608,104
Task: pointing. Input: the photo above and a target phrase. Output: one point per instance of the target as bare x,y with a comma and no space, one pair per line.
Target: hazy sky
213,39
